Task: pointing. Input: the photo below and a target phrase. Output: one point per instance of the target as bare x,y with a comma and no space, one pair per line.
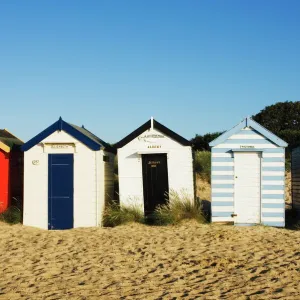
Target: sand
188,261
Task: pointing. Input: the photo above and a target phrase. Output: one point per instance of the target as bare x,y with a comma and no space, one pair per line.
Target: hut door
247,180
155,181
60,191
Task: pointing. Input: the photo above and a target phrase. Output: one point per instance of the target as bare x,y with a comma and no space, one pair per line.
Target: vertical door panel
60,191
247,187
155,181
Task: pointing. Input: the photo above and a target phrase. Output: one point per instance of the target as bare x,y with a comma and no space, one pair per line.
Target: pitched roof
156,125
8,141
248,122
79,133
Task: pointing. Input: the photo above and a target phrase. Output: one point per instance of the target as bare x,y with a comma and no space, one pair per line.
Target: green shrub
202,164
13,215
179,207
115,214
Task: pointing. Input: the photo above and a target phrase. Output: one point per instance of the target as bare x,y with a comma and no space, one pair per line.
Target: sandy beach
188,261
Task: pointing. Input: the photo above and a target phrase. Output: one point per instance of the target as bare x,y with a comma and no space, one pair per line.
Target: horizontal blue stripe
221,214
273,205
222,168
220,203
273,159
274,215
272,196
248,142
222,194
222,186
229,150
273,187
273,168
272,178
274,224
222,159
222,177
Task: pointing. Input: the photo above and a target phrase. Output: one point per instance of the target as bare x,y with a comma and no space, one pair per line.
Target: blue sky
196,66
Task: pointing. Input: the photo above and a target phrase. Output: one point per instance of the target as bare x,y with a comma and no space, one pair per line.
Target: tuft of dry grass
180,206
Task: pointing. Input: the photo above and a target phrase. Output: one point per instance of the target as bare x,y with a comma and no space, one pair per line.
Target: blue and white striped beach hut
248,176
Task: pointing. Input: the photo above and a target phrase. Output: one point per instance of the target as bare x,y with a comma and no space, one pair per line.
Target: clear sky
196,66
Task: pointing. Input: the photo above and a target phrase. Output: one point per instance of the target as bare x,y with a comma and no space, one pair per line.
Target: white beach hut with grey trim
152,161
248,176
68,177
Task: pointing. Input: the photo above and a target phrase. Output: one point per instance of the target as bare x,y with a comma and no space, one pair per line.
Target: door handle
233,215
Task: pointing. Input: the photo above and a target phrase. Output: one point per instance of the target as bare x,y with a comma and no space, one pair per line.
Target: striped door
247,188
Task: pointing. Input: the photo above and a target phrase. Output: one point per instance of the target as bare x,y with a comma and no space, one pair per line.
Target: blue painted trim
274,224
221,214
248,122
222,194
273,215
273,205
273,187
222,177
222,186
223,137
273,159
248,142
220,203
61,125
272,196
268,134
222,159
222,168
266,178
273,169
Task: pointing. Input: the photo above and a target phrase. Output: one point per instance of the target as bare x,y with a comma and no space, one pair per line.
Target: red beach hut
11,169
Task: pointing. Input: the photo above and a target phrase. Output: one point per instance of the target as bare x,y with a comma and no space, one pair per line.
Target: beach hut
295,168
68,177
248,171
153,160
11,170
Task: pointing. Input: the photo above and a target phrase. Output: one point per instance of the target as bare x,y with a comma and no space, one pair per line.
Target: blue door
60,191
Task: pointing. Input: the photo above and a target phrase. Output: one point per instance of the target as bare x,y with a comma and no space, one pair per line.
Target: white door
247,182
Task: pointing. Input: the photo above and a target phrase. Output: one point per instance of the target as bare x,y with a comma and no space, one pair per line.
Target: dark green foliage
179,207
200,142
115,214
13,215
283,119
202,164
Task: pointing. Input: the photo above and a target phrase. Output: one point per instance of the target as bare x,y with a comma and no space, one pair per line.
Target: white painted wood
272,192
222,172
221,219
280,155
224,164
273,164
246,137
222,181
273,173
275,201
179,161
273,182
89,182
247,187
235,146
273,210
222,208
227,155
224,190
272,219
222,199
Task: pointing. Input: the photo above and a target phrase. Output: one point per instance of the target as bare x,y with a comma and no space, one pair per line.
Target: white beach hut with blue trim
248,176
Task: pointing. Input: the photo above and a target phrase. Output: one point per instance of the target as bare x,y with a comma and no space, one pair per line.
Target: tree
200,142
283,119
